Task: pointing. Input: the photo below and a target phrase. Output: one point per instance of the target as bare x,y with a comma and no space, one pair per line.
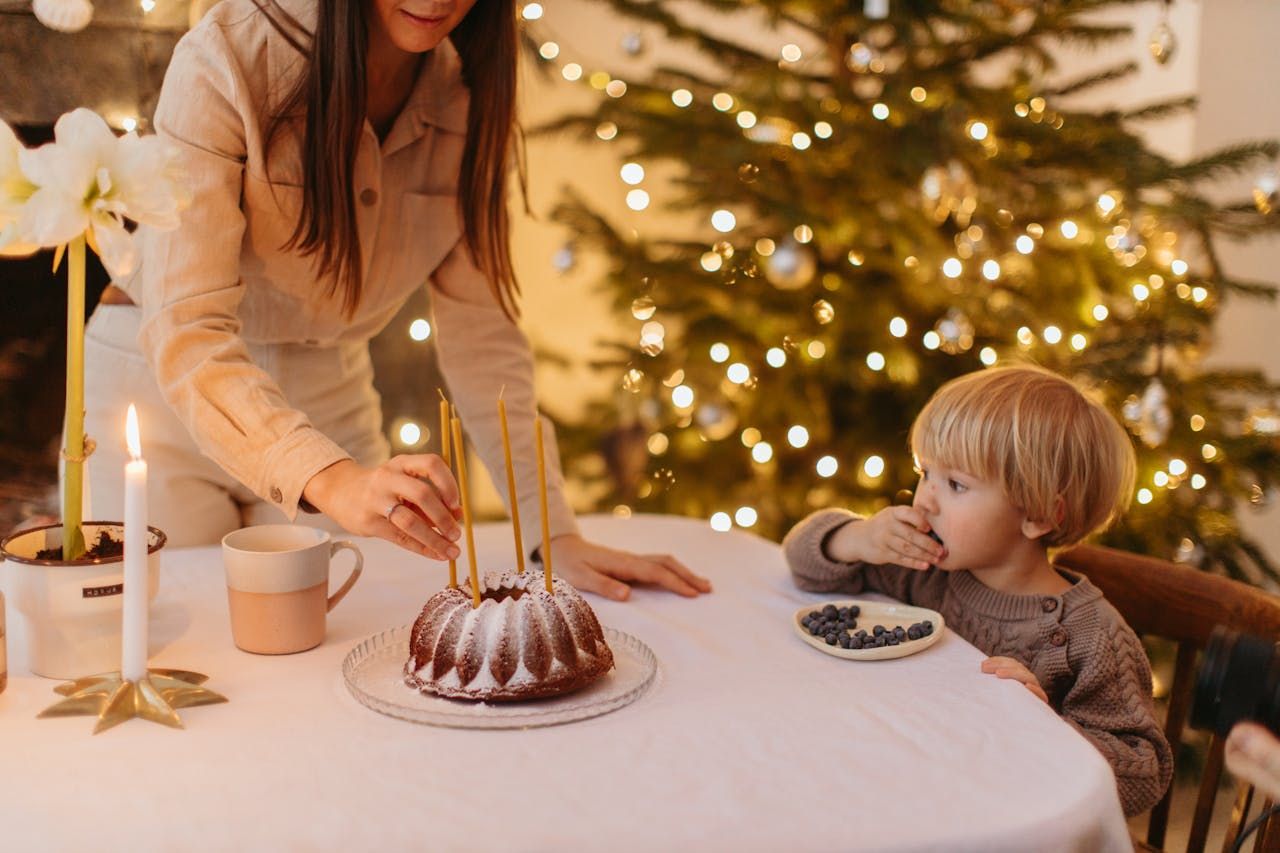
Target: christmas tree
898,196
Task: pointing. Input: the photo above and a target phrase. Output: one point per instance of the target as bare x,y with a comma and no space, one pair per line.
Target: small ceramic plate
874,613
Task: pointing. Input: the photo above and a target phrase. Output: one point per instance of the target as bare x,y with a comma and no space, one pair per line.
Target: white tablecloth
750,740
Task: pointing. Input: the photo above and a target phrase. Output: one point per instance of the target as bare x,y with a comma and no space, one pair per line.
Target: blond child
1013,462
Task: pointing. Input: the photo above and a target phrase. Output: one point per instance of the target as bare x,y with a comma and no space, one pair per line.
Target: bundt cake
520,643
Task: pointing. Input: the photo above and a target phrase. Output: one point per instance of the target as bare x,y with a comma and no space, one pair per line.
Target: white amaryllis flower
15,189
89,181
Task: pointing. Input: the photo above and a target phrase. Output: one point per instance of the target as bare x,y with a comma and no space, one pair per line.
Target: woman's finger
635,568
697,581
431,543
429,466
427,500
387,530
590,580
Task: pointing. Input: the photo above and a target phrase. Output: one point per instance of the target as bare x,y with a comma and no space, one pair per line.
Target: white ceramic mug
278,586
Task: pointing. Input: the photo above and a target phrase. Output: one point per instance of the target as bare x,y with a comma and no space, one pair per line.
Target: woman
336,166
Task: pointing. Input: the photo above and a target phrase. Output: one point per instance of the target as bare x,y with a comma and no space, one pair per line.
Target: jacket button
1058,637
368,197
1048,605
276,495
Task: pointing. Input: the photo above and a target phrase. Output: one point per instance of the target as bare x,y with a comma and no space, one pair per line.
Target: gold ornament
1266,192
156,697
1162,43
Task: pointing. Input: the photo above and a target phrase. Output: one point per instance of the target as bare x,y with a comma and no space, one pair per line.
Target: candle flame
131,433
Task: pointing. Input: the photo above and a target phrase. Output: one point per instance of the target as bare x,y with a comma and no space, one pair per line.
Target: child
1013,461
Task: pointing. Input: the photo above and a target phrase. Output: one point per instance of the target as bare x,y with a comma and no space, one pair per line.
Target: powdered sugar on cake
520,643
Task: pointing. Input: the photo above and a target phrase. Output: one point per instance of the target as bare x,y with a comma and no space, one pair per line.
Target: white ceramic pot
72,611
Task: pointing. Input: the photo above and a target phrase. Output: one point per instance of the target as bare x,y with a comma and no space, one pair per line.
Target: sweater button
276,495
1048,605
1058,637
368,197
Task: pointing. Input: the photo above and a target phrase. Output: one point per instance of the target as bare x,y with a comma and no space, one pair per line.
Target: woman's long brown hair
329,98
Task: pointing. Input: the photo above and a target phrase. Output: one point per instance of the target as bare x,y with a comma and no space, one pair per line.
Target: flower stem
73,472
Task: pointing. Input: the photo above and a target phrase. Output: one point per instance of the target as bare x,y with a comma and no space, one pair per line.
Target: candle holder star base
112,699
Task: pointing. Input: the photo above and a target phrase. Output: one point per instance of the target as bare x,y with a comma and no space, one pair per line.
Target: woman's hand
895,534
608,571
410,500
1253,754
1009,668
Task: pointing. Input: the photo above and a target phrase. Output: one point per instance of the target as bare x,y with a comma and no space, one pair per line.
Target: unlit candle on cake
542,502
460,452
444,454
511,484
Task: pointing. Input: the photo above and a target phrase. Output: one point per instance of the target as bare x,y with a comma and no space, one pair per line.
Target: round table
748,740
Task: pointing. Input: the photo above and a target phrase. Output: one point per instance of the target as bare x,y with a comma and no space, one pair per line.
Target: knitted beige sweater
1089,662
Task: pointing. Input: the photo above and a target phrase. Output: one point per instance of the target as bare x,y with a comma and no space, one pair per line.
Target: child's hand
895,534
1010,668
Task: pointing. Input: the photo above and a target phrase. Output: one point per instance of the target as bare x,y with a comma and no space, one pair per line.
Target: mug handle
334,548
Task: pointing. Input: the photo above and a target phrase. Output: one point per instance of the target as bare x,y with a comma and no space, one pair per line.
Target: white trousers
190,497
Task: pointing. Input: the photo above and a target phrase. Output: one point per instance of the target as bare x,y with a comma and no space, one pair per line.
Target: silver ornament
1148,416
956,331
565,258
791,266
633,43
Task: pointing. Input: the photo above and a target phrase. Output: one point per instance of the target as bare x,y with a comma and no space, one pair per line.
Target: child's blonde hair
1060,456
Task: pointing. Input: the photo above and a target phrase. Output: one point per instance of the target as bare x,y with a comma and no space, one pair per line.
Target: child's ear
1035,529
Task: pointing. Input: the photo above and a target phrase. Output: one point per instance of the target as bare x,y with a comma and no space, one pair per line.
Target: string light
1178,267
531,11
1199,294
816,349
722,101
1052,334
875,361
1160,478
822,130
880,111
1177,467
827,466
738,373
1025,337
800,140
1100,312
721,522
775,357
420,329
1145,496
873,467
682,98
1079,342
802,233
750,437
745,516
639,200
1069,229
746,119
918,94
606,130
658,443
797,436
147,5
898,327
991,270
410,434
723,221
719,353
1024,244
682,396
548,50
988,356
765,247
978,130
572,71
1208,451
711,261
631,173
931,340
791,53
130,124
615,88
1140,291
952,267
762,452
1198,481
1197,423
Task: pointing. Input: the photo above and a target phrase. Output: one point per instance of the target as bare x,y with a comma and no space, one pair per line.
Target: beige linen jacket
222,279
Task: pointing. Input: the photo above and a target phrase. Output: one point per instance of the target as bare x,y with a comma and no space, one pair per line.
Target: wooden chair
1165,599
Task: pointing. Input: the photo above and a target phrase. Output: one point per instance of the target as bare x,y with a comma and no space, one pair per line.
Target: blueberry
861,634
927,625
842,612
933,534
878,630
853,623
881,642
815,629
830,611
813,614
854,610
893,640
832,639
899,632
855,643
914,632
844,641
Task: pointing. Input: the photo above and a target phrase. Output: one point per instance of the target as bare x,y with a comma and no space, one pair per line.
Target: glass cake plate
374,672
